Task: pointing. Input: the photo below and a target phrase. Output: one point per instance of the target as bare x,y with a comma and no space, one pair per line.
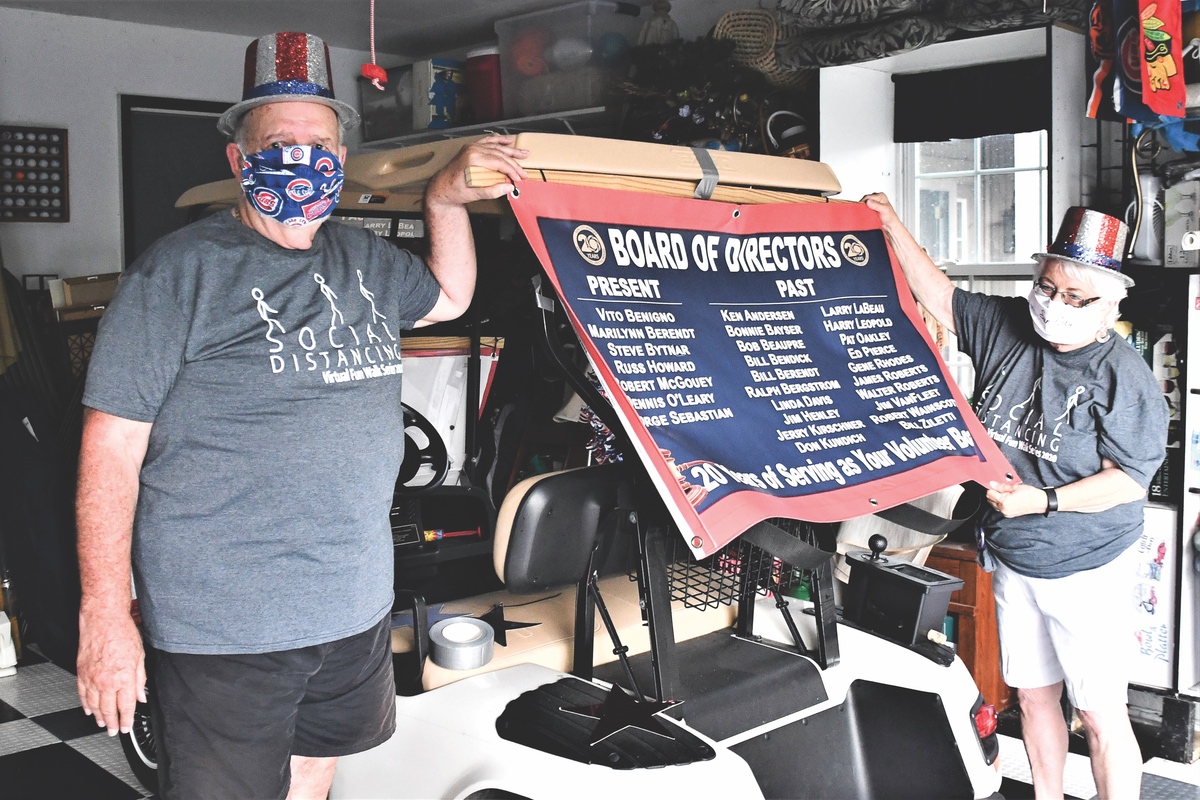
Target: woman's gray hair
1106,285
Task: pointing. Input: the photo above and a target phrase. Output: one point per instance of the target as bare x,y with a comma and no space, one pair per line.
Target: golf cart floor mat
884,742
566,717
730,685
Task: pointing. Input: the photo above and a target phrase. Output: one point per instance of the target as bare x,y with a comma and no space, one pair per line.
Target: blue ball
612,47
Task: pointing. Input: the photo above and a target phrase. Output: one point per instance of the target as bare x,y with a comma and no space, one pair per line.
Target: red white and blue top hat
286,67
1090,239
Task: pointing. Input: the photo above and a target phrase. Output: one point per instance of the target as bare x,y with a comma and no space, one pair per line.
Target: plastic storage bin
895,599
563,58
483,84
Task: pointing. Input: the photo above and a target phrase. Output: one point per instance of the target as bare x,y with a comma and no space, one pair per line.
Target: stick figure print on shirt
263,311
983,398
1013,413
335,316
376,317
1072,404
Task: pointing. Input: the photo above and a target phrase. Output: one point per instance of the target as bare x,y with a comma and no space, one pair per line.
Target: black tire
140,746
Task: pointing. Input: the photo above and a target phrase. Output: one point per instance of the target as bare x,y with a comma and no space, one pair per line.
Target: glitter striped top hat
286,67
1090,239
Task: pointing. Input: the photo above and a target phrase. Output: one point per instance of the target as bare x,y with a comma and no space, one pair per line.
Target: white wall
857,112
858,106
68,72
1068,104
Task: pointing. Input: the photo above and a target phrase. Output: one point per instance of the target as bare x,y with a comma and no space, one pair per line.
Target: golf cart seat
550,530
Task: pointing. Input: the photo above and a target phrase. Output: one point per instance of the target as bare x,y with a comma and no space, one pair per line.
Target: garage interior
118,88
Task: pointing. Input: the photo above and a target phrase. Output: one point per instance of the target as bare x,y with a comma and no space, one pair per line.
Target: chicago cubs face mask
295,185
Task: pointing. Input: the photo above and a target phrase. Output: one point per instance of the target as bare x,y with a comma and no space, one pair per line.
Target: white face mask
1059,323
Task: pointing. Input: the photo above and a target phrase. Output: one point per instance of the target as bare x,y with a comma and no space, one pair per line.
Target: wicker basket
754,33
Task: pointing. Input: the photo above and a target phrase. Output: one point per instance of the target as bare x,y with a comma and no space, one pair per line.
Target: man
1082,419
242,435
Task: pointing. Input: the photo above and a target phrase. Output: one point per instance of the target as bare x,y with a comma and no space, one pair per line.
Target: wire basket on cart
719,578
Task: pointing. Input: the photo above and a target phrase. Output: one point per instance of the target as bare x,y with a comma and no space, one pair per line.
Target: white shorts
1078,629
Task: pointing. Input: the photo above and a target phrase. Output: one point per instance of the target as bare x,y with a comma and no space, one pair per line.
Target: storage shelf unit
581,121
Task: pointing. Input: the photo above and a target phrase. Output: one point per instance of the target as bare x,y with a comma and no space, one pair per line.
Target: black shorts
227,725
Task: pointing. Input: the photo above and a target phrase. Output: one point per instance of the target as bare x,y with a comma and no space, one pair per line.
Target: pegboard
33,174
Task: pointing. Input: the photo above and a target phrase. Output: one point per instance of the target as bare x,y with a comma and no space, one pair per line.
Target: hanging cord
373,71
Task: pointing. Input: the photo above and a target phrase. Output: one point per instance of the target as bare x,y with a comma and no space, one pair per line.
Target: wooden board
478,176
551,151
415,344
400,175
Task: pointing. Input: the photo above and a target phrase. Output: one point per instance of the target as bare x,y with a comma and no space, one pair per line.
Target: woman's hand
1016,499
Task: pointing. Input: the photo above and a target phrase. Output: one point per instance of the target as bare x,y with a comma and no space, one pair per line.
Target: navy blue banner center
779,362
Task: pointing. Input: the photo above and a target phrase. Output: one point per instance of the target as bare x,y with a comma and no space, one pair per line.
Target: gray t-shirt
1055,416
272,379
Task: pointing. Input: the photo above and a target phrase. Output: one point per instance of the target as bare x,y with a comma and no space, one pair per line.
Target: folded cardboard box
90,290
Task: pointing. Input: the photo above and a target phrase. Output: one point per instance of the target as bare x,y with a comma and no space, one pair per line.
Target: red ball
528,51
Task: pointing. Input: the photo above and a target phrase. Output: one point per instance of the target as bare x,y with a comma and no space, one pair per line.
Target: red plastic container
483,83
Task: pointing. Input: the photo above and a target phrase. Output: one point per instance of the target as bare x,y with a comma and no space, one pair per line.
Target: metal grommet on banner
737,212
461,643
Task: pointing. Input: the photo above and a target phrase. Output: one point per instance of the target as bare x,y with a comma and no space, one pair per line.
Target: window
978,206
978,201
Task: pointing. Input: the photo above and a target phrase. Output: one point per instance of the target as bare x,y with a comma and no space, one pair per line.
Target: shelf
580,121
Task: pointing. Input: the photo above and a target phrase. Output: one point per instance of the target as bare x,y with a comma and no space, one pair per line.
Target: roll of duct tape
461,643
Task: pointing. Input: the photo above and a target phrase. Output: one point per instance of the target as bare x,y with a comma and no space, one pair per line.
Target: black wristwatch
1051,502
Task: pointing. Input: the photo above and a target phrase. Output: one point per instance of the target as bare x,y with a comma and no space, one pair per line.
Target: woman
1082,419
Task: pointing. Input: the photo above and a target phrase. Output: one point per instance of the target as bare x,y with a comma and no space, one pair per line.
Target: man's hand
111,665
1016,499
451,256
879,203
449,186
111,668
928,283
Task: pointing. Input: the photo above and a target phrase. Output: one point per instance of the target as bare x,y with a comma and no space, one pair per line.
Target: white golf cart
614,662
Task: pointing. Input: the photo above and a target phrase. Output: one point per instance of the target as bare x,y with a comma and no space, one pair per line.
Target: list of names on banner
773,361
904,391
773,348
652,357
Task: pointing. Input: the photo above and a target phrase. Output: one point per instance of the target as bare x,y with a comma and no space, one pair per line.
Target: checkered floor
50,751
1161,780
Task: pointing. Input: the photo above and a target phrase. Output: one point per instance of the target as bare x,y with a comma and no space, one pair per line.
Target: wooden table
974,608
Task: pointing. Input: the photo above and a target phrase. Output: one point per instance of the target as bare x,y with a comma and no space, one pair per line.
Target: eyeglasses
1070,298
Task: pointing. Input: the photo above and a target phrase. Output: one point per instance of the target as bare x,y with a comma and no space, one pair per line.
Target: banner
762,358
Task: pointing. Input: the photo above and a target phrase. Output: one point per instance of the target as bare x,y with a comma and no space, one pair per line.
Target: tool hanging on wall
1150,150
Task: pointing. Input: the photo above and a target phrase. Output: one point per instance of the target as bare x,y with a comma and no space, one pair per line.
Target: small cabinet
974,609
